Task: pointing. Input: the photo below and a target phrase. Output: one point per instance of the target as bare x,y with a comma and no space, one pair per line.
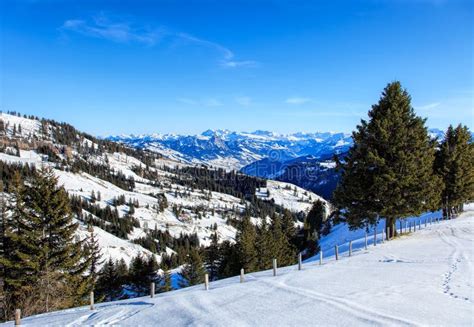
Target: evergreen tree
282,250
455,165
142,272
245,245
46,258
122,271
165,284
92,252
109,286
229,265
265,246
388,172
4,254
316,217
213,257
312,227
193,271
288,225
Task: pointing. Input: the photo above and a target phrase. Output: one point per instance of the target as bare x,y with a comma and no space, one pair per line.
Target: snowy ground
425,278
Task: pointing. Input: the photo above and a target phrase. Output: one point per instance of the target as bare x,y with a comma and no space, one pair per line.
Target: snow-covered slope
215,208
424,278
234,150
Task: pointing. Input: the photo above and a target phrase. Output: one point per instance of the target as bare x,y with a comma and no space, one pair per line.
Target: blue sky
112,67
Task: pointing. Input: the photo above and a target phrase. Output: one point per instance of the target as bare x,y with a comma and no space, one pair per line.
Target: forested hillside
132,216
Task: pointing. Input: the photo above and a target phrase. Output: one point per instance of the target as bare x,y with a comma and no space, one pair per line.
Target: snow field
424,278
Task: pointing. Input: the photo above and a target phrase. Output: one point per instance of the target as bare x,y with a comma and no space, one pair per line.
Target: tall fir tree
213,257
143,271
193,271
245,245
388,172
109,286
46,258
288,226
4,252
316,217
166,283
264,246
455,166
92,253
282,249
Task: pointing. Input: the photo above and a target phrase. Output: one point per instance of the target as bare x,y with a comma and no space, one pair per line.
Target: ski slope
425,278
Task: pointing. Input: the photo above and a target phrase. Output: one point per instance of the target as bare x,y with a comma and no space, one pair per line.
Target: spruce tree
109,286
282,249
455,166
245,245
288,226
388,172
45,256
142,272
213,257
265,246
122,271
193,271
316,217
166,284
92,252
4,254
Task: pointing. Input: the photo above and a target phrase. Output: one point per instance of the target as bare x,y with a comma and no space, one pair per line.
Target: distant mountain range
304,159
234,150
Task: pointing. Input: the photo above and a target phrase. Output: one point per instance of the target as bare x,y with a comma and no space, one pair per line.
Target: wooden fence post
336,249
18,317
425,223
366,240
274,267
320,257
419,224
375,235
92,300
242,273
350,248
382,235
206,282
401,227
152,289
299,261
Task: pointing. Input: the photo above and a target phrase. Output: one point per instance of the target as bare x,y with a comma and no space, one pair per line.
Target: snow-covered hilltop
167,195
424,278
234,150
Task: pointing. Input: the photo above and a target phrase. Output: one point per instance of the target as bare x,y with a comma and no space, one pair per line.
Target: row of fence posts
408,225
300,259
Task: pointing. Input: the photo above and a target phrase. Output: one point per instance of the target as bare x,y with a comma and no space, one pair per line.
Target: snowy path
425,278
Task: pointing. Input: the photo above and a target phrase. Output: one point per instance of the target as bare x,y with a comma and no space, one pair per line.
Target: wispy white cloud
244,101
212,102
187,101
126,32
297,100
120,32
227,55
236,64
207,102
428,106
